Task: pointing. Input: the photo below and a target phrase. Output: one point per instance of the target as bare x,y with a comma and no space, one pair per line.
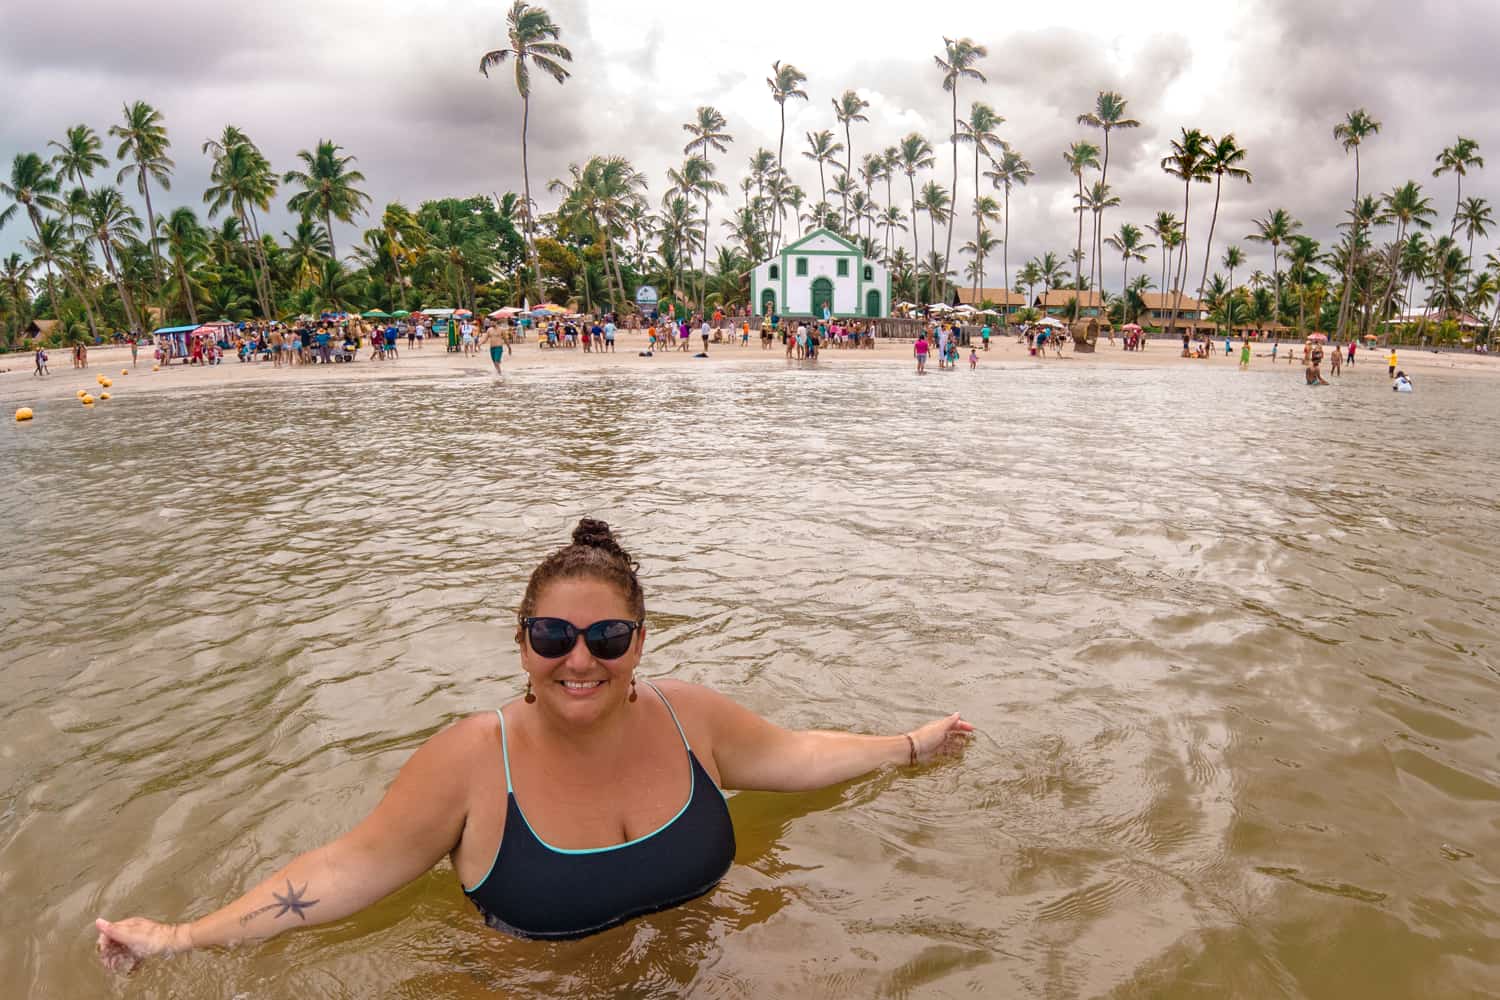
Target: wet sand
19,387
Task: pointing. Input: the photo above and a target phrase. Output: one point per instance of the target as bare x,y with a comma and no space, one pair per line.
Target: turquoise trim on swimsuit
692,789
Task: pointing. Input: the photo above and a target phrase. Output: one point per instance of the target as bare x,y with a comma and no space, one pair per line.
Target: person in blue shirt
984,335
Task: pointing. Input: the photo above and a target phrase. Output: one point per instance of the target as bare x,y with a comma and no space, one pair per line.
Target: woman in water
594,754
919,351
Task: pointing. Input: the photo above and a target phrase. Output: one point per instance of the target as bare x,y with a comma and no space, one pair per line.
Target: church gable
821,240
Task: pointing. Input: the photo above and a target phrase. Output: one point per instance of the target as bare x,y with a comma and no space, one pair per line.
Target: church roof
808,237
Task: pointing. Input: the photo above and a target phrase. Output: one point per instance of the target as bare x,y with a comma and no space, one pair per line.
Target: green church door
872,303
822,296
767,301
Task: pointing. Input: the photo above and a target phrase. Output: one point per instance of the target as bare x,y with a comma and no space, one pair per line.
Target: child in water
973,359
1244,355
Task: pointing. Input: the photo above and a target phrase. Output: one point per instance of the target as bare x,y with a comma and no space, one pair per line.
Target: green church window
801,267
843,266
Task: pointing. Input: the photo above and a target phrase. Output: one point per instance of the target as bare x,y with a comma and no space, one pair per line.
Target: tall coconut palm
30,189
822,148
786,83
708,131
1050,271
109,218
938,205
979,130
1407,207
1012,170
533,40
891,220
1275,229
913,154
1079,157
1234,258
1166,229
186,241
1303,256
1108,114
1350,133
242,180
78,156
1474,218
1457,159
1130,243
696,180
958,62
143,151
51,246
848,108
328,190
1096,199
1188,162
1223,158
986,209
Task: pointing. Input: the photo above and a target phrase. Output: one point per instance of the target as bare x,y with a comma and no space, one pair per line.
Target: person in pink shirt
920,351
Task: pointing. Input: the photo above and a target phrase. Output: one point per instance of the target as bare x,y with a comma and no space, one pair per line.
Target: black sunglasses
554,638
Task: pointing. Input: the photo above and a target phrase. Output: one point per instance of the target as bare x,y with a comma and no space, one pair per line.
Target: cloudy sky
397,85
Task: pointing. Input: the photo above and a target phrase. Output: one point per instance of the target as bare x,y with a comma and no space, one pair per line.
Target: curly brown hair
593,554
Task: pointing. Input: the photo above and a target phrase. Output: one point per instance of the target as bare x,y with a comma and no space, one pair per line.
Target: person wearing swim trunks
610,807
919,350
495,341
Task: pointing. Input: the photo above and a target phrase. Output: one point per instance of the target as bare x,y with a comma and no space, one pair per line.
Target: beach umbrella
375,314
1052,321
504,312
1131,328
1371,336
1317,338
400,314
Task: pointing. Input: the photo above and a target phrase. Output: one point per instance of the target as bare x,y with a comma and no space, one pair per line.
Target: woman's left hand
944,737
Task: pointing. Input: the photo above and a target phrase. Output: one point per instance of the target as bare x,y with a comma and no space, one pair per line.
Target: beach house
821,272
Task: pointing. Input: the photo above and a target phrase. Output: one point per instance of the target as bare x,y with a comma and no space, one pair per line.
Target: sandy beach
19,387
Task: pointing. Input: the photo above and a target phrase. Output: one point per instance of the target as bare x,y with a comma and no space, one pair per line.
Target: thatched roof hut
1085,334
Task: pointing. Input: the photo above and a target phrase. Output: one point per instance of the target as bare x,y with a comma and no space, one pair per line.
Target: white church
821,272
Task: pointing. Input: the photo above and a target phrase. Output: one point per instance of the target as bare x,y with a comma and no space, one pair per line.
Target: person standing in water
495,341
1392,362
919,351
1244,355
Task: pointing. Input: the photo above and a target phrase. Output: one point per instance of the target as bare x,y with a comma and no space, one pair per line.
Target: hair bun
595,534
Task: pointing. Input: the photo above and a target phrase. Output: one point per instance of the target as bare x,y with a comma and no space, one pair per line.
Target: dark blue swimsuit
535,890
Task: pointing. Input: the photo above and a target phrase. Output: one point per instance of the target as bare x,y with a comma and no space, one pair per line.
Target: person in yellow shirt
1392,362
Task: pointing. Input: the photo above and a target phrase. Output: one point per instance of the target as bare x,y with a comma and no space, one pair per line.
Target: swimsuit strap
670,712
504,750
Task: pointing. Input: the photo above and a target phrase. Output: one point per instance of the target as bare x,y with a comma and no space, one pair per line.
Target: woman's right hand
124,944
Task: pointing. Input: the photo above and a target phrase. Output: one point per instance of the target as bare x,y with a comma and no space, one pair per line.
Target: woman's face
578,687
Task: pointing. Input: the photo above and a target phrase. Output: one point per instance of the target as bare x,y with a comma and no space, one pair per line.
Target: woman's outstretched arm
420,819
754,754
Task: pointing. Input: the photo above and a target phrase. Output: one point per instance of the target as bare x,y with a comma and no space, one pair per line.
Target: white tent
1052,321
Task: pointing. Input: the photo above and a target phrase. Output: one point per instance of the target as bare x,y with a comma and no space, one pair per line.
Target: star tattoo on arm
292,902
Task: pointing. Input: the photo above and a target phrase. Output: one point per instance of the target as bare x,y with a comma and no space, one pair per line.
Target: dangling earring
632,690
530,698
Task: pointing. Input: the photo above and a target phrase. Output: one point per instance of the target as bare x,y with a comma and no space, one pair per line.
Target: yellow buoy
156,368
103,395
106,382
24,413
100,379
124,371
82,392
88,400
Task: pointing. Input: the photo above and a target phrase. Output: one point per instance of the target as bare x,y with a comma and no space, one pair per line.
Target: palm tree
1108,115
1130,243
1222,159
980,130
1275,229
785,83
821,149
913,154
186,241
936,202
1350,133
1050,271
15,281
1234,258
1188,162
1457,159
1028,277
696,180
78,155
1080,156
848,108
986,209
890,219
533,37
1475,217
1012,170
305,252
243,181
328,190
51,246
108,218
143,138
958,61
1095,200
1303,256
1166,229
1407,207
30,189
707,129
